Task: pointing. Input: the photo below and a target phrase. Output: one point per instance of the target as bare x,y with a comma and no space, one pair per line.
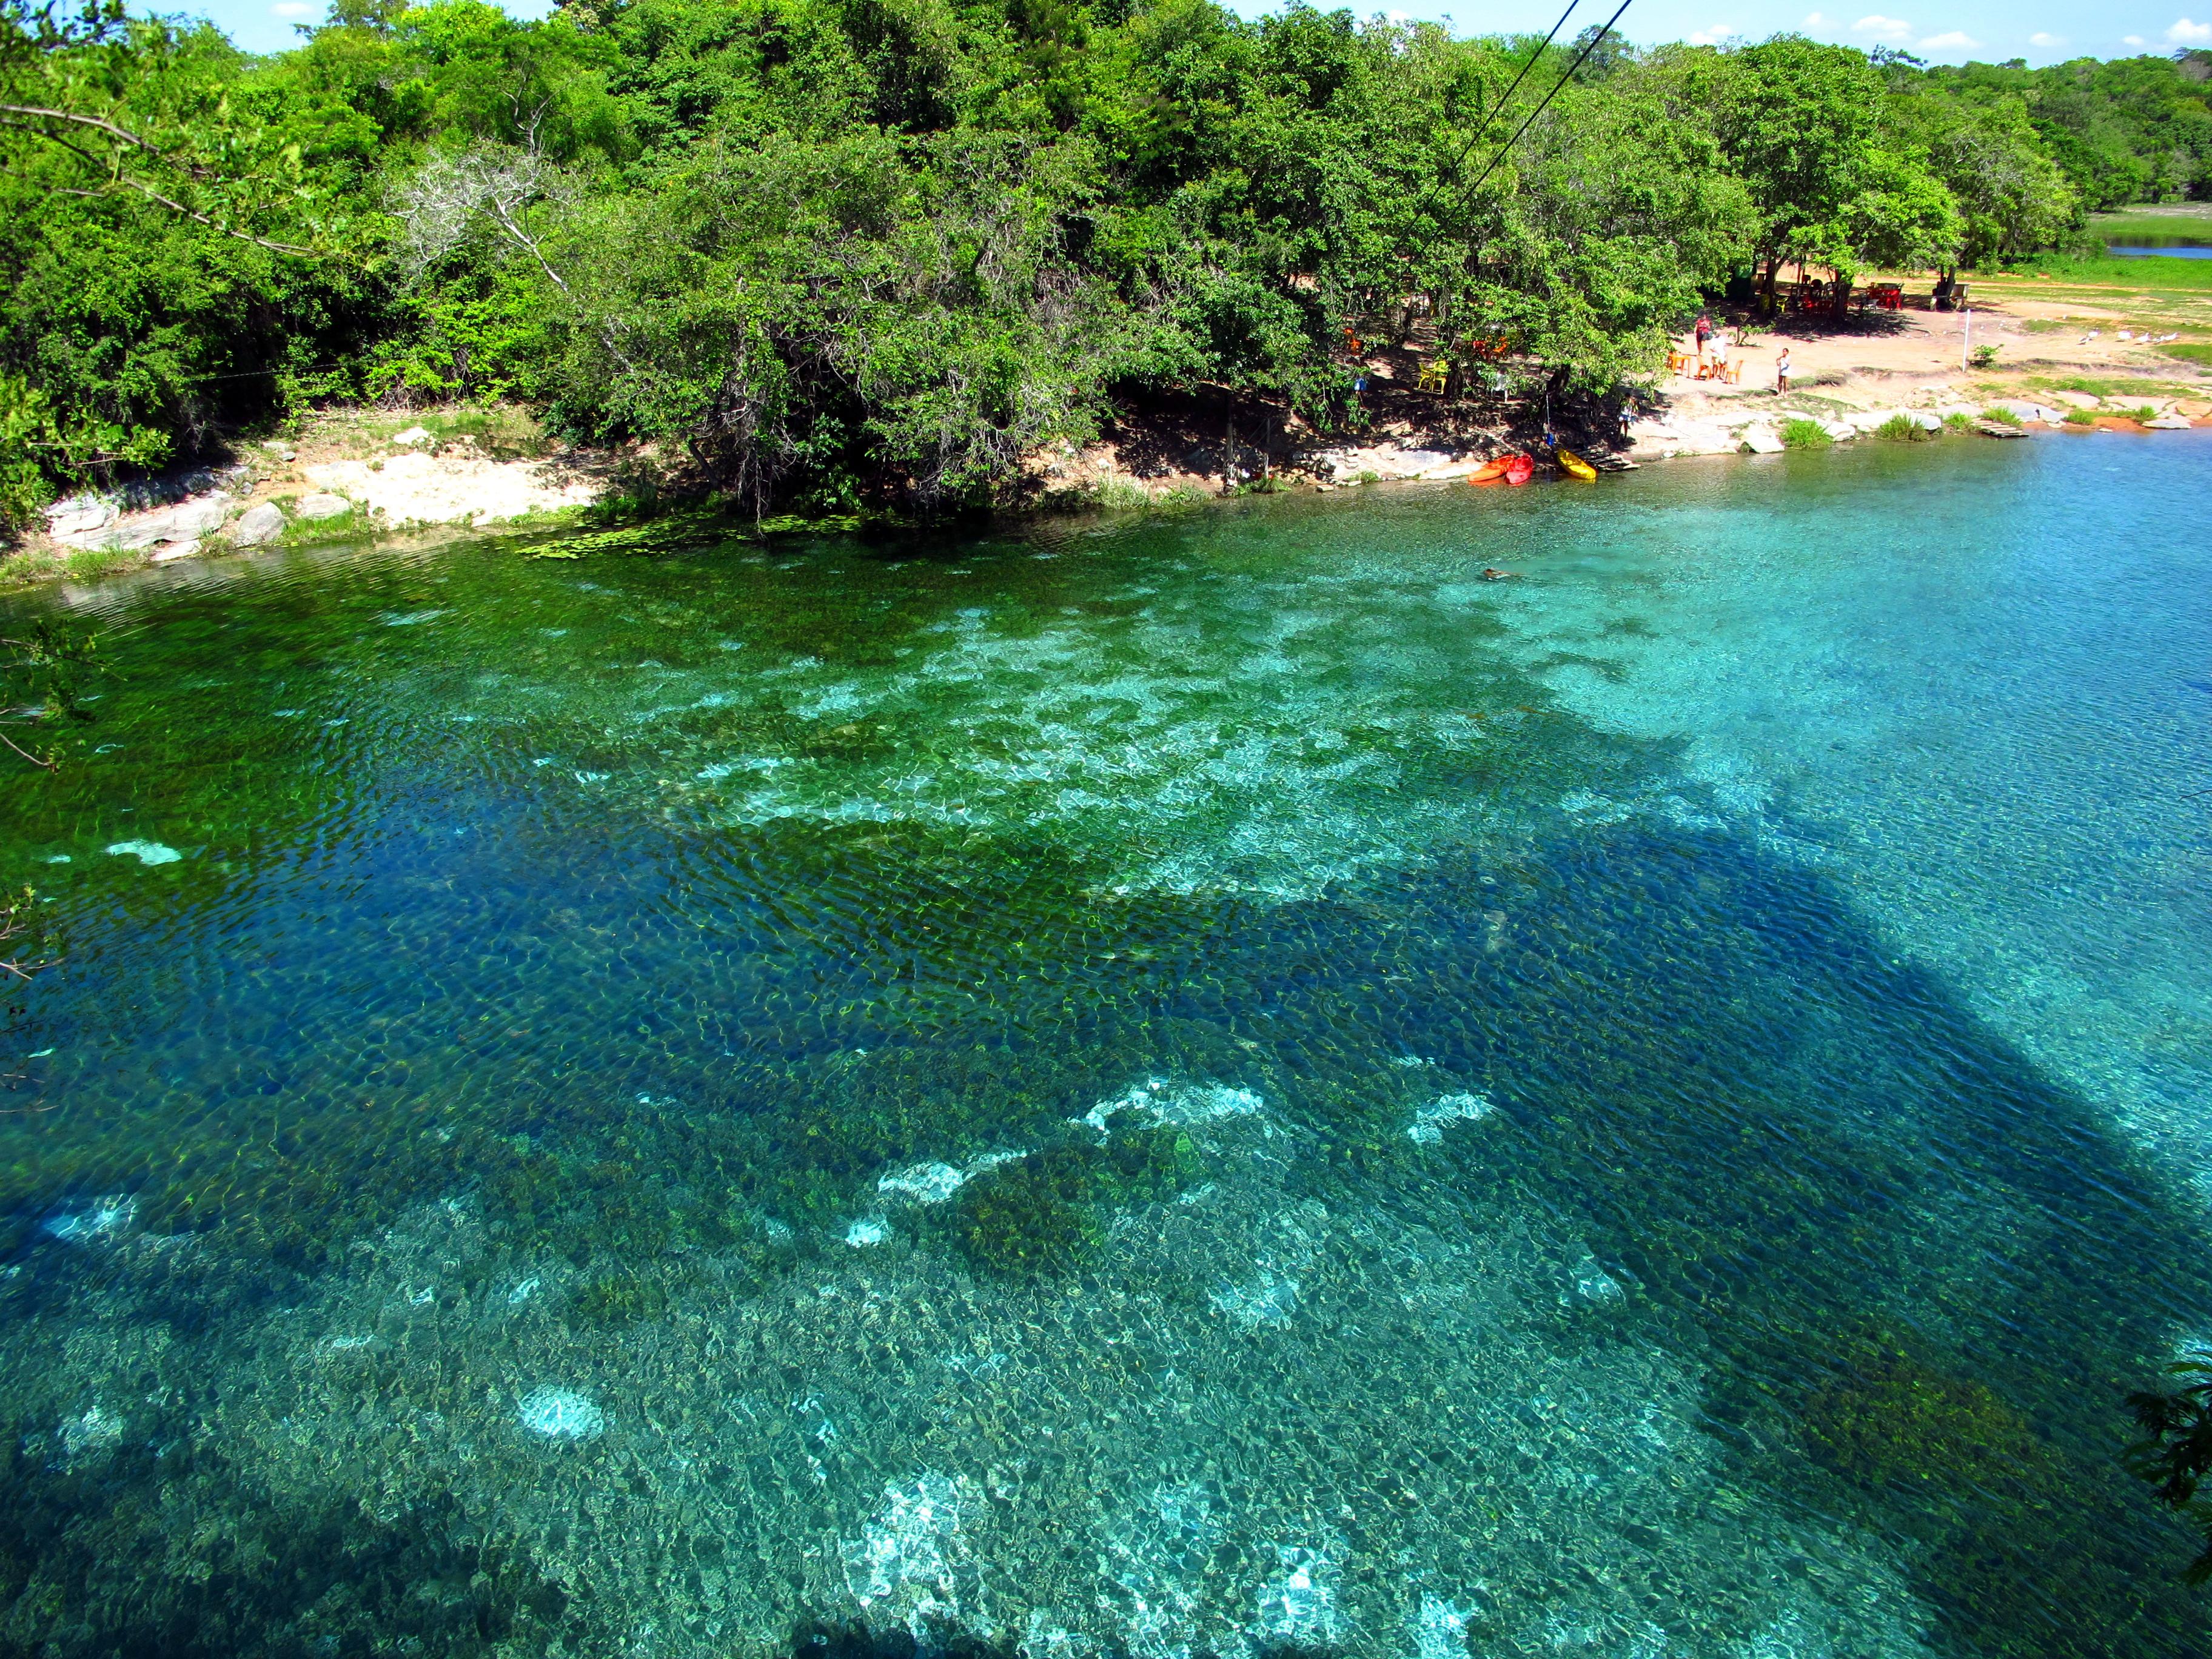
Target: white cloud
293,8
2040,38
1814,20
2186,33
2133,40
1715,35
1883,28
1949,40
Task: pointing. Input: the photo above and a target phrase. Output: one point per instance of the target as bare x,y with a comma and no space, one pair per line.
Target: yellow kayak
1574,465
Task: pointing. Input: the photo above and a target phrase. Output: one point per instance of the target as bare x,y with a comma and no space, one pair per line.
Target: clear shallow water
1652,1108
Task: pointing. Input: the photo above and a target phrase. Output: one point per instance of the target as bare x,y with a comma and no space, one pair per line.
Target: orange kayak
1506,469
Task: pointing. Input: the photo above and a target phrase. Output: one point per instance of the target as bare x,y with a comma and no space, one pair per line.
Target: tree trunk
1228,440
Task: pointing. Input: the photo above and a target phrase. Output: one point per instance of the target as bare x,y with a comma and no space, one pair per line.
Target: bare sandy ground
463,487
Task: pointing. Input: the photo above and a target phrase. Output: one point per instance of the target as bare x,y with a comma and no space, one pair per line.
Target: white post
1967,337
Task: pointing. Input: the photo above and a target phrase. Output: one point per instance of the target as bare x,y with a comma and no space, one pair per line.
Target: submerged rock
1429,1121
561,1415
109,1218
146,852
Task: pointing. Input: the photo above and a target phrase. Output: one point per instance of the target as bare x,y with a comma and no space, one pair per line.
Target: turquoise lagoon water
1213,1085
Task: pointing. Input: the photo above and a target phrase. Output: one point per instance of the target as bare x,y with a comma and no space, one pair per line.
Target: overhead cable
1579,58
1506,97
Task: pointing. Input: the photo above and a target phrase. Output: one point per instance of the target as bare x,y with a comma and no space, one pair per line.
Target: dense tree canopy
839,250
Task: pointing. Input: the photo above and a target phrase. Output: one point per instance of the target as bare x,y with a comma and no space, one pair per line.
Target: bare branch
45,762
108,127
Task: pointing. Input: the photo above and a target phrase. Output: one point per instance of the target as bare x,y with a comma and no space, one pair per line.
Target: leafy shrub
1801,433
2176,1454
1982,356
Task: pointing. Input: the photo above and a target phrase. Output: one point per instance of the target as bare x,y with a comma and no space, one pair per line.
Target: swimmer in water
1490,575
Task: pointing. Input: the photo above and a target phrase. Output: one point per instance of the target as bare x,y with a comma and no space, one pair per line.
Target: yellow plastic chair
1434,374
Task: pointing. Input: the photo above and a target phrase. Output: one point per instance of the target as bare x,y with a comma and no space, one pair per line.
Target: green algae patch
1041,1214
1891,1418
1019,1220
617,1299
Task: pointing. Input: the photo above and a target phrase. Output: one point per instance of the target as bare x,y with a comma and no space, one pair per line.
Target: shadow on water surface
1918,1274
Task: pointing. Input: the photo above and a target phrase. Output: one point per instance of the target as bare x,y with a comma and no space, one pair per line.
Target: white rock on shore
89,523
2021,409
257,524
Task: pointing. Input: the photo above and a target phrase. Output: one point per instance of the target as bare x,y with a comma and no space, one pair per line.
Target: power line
1579,58
1507,96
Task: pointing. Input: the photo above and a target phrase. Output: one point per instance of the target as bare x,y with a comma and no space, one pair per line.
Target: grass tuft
1122,495
1801,433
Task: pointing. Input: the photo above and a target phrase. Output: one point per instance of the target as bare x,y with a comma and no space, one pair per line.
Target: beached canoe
1520,469
1492,471
1574,465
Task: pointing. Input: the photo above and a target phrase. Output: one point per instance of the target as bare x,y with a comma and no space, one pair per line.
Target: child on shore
1782,371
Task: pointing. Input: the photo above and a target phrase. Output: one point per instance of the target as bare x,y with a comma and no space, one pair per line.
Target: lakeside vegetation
843,253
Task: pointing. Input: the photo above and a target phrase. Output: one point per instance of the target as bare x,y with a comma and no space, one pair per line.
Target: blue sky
1941,31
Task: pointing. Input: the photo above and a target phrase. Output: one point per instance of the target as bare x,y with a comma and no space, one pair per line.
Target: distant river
2176,247
1190,1084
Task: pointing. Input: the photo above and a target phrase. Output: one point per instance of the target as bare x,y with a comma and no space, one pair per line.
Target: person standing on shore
1704,332
1782,371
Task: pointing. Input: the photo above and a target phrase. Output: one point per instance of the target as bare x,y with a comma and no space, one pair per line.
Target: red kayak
1506,469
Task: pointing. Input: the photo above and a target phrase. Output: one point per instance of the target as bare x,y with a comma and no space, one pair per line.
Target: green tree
1835,184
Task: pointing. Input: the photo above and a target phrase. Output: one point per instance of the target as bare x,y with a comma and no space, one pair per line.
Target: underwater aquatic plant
1021,1220
42,680
2176,1454
1890,1419
1037,1214
19,920
617,1298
